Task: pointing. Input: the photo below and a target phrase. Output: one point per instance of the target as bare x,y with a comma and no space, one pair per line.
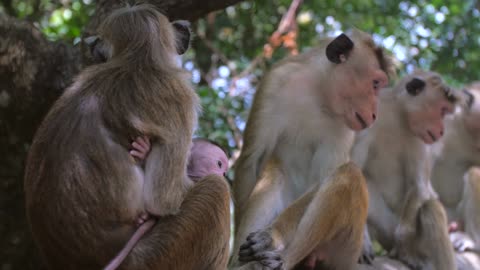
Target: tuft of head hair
138,30
386,61
208,141
468,93
435,80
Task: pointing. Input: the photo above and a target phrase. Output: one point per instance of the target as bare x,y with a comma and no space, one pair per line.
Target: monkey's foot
265,260
409,261
368,254
462,242
142,218
366,258
258,247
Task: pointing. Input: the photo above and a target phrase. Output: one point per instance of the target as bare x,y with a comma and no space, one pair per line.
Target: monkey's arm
165,181
196,238
406,228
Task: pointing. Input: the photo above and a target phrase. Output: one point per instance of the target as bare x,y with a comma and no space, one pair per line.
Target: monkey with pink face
206,158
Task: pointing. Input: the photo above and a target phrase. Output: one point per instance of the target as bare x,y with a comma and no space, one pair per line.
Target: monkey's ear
337,51
183,34
415,86
469,98
99,50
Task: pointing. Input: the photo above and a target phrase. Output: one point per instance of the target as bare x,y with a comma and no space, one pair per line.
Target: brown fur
84,191
300,130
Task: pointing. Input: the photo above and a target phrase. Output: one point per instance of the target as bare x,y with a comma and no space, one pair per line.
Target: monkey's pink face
428,123
359,98
206,159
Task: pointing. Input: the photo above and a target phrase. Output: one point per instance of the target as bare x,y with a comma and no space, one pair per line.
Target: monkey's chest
386,175
307,165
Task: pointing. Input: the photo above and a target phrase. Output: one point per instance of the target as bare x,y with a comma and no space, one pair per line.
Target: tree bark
33,74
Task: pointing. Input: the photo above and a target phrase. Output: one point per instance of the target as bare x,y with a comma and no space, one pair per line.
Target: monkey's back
83,189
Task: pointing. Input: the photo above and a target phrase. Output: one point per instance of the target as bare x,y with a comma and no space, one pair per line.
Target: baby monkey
206,157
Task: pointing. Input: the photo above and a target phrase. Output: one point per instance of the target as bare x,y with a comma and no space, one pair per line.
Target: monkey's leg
471,206
331,229
196,238
325,224
261,209
423,234
433,223
383,263
467,261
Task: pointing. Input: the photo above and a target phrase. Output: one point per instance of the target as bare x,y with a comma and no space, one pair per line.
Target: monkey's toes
269,260
142,218
366,258
257,241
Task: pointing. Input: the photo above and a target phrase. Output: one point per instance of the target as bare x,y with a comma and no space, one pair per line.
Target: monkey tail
433,228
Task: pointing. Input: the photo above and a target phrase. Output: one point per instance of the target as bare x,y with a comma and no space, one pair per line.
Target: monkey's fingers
249,249
366,258
260,237
144,141
268,259
463,245
137,154
140,148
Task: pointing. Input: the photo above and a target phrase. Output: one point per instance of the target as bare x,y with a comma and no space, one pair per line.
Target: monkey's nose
374,117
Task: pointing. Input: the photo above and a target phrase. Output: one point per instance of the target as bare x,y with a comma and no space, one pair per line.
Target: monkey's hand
462,242
258,247
368,254
141,146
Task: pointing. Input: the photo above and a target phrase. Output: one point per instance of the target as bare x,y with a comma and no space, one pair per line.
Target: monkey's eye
219,163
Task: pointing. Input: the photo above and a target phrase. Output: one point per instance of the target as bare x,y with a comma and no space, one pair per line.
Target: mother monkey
85,193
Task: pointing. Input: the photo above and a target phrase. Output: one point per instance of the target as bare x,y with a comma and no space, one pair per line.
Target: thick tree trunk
33,73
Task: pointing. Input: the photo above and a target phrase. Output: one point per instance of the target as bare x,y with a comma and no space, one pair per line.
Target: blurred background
235,42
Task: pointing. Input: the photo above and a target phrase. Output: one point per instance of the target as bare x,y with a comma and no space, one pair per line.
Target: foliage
226,58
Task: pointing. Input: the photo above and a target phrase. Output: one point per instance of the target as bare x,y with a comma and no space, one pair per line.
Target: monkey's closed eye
219,163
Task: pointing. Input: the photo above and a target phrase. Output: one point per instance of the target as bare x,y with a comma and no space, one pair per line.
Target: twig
285,33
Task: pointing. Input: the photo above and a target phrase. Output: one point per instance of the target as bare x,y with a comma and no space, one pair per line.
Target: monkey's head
426,100
139,30
471,114
359,69
206,157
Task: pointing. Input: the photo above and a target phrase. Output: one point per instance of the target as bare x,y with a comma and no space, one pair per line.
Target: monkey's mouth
195,178
360,119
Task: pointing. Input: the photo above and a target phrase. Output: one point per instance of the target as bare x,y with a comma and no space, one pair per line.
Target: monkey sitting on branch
297,199
85,194
404,215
